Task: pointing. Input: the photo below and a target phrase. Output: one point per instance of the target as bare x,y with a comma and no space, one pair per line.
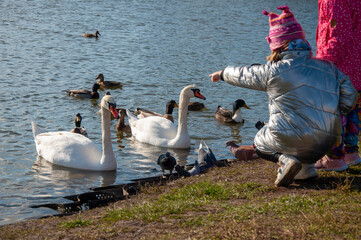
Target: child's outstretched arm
253,77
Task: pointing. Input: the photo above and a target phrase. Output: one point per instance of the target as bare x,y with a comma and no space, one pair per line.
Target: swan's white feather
152,130
157,127
68,149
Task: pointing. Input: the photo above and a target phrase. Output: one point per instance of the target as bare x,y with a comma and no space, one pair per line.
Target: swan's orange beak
114,111
199,95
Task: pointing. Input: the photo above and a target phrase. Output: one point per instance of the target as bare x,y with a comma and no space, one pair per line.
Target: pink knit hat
283,27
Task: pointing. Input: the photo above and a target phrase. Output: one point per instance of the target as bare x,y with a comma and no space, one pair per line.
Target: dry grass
237,202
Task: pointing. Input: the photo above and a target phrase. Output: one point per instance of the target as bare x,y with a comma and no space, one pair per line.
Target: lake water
155,48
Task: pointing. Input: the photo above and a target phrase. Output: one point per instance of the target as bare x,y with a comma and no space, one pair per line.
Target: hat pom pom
285,8
265,12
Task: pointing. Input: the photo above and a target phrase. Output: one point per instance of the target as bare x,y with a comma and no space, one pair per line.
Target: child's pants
351,126
273,158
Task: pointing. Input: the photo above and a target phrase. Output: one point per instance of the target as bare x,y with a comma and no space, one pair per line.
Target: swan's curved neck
108,158
182,117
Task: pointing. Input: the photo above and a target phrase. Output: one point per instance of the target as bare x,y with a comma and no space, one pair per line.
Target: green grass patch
76,223
202,191
294,204
309,212
188,198
196,221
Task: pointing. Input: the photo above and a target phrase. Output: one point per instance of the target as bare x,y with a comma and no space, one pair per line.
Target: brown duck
171,104
90,35
121,127
107,84
83,93
195,106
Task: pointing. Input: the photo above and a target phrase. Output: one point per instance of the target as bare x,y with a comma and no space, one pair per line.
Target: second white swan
162,132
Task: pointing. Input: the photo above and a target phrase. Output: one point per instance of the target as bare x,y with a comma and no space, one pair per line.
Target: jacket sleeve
253,77
348,94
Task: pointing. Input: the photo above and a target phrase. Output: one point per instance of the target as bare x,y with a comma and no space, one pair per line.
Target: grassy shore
236,202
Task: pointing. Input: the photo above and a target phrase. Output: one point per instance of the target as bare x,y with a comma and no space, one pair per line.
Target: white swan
162,132
76,151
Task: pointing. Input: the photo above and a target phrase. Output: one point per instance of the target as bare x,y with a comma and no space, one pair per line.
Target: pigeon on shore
166,162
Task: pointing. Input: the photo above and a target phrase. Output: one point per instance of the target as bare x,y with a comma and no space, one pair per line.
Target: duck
241,152
90,35
78,129
171,104
107,84
231,116
195,106
260,125
83,93
121,127
166,162
161,132
75,150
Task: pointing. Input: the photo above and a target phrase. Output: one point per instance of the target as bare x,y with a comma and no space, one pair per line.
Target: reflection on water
122,136
55,174
235,133
148,154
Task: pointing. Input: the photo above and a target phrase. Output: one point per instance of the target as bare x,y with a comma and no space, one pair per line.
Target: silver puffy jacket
306,96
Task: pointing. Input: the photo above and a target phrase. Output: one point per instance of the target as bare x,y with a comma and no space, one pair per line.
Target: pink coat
339,36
